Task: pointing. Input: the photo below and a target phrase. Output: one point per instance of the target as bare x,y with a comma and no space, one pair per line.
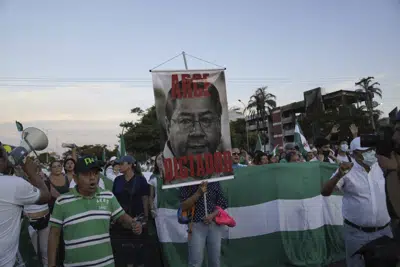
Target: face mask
344,147
369,158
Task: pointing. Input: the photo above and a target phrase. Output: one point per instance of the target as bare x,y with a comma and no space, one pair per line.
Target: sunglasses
235,154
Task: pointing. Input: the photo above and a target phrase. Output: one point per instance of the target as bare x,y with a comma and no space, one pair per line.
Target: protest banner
192,112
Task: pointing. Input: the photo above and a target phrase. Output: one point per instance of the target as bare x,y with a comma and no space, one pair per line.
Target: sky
76,68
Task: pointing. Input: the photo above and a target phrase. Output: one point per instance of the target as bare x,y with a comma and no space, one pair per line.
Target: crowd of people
74,221
322,150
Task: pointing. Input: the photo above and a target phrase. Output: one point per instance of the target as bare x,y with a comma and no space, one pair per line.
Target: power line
122,79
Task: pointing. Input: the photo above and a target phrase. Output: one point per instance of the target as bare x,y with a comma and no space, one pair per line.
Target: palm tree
370,88
376,113
260,105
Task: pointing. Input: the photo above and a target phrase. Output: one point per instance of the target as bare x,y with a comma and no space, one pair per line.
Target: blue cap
127,159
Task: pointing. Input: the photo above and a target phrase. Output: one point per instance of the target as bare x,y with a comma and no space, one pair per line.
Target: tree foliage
45,157
344,116
93,150
239,135
259,106
143,137
371,88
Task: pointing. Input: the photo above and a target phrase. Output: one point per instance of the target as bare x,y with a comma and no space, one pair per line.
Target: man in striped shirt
84,216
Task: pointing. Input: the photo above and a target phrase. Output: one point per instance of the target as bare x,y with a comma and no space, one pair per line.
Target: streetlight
247,128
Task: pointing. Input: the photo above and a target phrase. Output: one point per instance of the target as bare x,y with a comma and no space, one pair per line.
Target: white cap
113,158
356,145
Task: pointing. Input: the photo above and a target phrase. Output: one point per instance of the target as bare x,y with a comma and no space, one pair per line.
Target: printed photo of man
193,125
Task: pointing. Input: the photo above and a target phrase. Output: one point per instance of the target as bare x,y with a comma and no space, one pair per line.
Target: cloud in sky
101,101
81,113
72,131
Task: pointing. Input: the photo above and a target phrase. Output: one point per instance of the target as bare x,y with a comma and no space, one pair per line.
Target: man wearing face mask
325,153
342,154
364,200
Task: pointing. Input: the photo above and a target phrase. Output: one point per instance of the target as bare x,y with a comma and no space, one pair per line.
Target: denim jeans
203,235
354,239
43,236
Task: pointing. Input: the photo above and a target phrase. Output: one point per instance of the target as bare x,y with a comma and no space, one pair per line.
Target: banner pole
184,60
205,194
205,204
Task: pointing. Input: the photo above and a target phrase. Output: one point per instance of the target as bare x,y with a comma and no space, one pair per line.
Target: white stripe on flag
276,216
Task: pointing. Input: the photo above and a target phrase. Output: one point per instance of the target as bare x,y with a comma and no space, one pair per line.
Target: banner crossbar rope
206,61
184,53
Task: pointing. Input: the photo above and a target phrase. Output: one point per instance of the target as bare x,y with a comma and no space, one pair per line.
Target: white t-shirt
344,158
15,192
110,173
35,208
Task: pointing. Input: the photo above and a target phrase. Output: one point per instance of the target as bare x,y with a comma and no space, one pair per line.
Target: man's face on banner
195,127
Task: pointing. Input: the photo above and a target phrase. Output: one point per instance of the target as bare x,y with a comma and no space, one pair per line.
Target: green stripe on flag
270,250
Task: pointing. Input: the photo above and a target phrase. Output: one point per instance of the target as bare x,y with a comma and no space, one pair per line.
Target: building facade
281,129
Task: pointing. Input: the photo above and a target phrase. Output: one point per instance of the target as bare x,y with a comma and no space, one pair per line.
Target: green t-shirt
85,223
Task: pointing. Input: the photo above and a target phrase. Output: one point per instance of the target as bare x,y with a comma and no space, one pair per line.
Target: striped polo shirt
85,222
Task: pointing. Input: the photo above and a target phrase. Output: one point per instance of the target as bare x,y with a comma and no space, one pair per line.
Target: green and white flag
259,145
20,128
300,140
281,219
275,151
121,148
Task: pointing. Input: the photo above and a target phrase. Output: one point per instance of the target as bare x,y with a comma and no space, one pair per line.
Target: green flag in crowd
275,152
121,150
300,140
259,145
20,128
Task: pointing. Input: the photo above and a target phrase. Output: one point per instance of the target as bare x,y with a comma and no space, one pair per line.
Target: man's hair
289,156
214,95
320,142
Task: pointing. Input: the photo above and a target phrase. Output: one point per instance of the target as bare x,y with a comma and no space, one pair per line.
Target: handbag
40,223
223,218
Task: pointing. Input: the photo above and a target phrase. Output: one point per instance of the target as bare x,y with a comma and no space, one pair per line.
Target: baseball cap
127,159
356,144
113,158
86,164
